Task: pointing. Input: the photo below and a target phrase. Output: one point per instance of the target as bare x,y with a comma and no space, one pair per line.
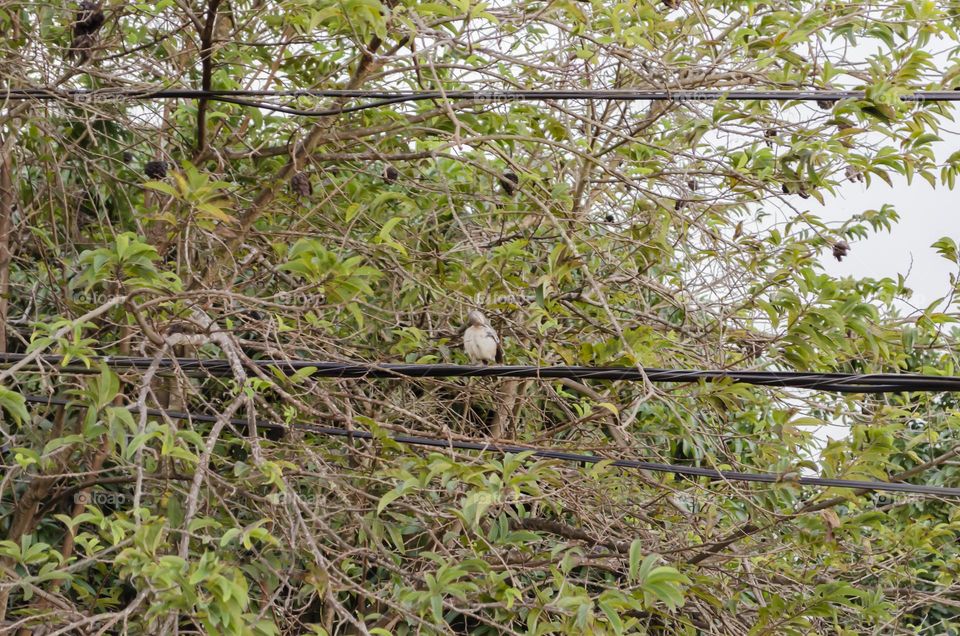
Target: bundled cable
581,458
381,98
834,382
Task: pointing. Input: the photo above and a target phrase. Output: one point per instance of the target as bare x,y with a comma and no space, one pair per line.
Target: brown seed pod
840,249
785,189
769,135
300,184
390,174
853,175
155,169
803,193
89,18
692,184
127,156
672,4
87,21
678,204
825,104
509,182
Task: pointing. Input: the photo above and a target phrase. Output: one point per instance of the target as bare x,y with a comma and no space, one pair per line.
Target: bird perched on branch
480,340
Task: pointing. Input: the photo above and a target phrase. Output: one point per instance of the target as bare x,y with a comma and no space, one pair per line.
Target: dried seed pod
785,189
300,184
87,21
390,174
509,182
769,135
692,184
803,193
825,104
89,18
155,169
853,175
672,4
609,218
840,249
678,204
127,156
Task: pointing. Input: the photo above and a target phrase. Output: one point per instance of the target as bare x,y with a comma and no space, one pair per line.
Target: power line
833,382
385,98
486,447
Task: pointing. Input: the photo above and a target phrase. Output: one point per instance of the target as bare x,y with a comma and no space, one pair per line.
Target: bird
480,341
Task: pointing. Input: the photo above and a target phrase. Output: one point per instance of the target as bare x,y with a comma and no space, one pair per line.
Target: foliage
684,234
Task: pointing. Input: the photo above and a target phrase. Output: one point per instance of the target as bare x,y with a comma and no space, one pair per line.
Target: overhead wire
490,447
382,98
832,382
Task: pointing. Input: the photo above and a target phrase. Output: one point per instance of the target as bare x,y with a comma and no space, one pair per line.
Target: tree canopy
684,234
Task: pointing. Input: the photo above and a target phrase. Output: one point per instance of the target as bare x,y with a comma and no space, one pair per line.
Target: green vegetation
682,234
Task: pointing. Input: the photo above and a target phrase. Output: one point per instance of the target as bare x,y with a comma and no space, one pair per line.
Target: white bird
480,341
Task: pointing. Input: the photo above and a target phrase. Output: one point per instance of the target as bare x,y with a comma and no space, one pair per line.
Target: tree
664,234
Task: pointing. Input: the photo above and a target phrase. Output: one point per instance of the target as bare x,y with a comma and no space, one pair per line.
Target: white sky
926,214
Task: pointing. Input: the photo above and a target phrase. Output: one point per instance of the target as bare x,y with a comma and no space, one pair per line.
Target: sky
926,214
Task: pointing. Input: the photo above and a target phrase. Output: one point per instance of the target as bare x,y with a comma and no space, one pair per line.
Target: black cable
486,447
834,382
385,98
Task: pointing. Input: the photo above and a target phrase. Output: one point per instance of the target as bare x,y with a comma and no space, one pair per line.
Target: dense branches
660,234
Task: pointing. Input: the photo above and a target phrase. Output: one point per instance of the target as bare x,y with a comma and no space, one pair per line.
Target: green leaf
386,237
14,404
